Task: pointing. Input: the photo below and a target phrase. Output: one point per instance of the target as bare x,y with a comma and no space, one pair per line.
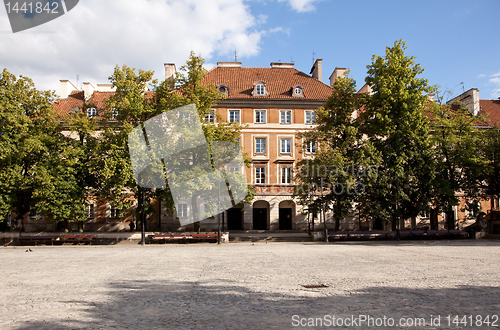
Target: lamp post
143,218
324,212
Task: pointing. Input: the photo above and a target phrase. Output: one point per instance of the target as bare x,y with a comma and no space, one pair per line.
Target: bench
360,235
195,237
77,239
38,239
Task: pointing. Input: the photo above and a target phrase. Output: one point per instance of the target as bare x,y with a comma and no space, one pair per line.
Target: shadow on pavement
201,305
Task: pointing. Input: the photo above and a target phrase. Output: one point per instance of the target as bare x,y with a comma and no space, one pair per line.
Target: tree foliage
38,163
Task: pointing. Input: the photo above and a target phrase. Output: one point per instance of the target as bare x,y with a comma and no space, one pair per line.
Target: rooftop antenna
291,59
235,57
313,56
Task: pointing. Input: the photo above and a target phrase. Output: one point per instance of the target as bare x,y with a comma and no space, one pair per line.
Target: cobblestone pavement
246,286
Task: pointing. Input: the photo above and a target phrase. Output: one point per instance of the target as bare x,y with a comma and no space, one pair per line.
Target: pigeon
29,250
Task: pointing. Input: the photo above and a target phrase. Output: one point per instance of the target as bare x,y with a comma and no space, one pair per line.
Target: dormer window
260,89
91,112
223,89
298,91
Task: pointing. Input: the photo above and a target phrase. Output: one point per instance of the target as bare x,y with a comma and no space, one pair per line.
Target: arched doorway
286,215
260,215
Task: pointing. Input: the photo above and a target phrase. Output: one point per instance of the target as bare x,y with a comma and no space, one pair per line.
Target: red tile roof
490,111
280,81
74,100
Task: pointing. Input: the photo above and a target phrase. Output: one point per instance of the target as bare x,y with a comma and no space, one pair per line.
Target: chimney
366,89
88,90
316,70
229,64
279,65
170,71
105,88
338,72
66,88
469,100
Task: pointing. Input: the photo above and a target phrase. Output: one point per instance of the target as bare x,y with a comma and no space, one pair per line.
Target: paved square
245,286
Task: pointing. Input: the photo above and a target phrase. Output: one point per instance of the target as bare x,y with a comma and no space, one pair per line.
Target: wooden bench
38,239
79,238
359,235
195,237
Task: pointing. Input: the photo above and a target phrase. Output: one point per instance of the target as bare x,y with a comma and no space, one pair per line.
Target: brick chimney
66,88
338,72
170,71
316,70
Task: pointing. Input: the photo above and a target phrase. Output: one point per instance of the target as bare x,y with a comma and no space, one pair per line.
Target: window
286,146
90,209
223,89
182,210
260,89
234,116
260,146
114,114
298,91
91,112
310,117
114,212
210,117
286,175
260,116
311,147
286,116
260,175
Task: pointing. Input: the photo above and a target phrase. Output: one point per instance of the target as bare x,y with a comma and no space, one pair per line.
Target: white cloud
301,6
97,35
482,75
496,82
280,29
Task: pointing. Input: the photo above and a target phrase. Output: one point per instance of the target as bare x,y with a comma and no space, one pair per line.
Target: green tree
487,173
38,163
134,105
395,124
340,163
458,160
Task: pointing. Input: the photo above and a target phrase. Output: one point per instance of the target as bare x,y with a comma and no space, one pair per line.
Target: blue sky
455,41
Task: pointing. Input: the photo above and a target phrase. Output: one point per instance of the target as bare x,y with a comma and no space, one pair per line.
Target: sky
455,41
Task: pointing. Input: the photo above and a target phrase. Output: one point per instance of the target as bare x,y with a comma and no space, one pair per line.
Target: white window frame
210,117
231,120
260,89
284,146
91,112
182,210
265,145
286,117
90,210
286,175
262,170
114,212
260,116
311,147
312,117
